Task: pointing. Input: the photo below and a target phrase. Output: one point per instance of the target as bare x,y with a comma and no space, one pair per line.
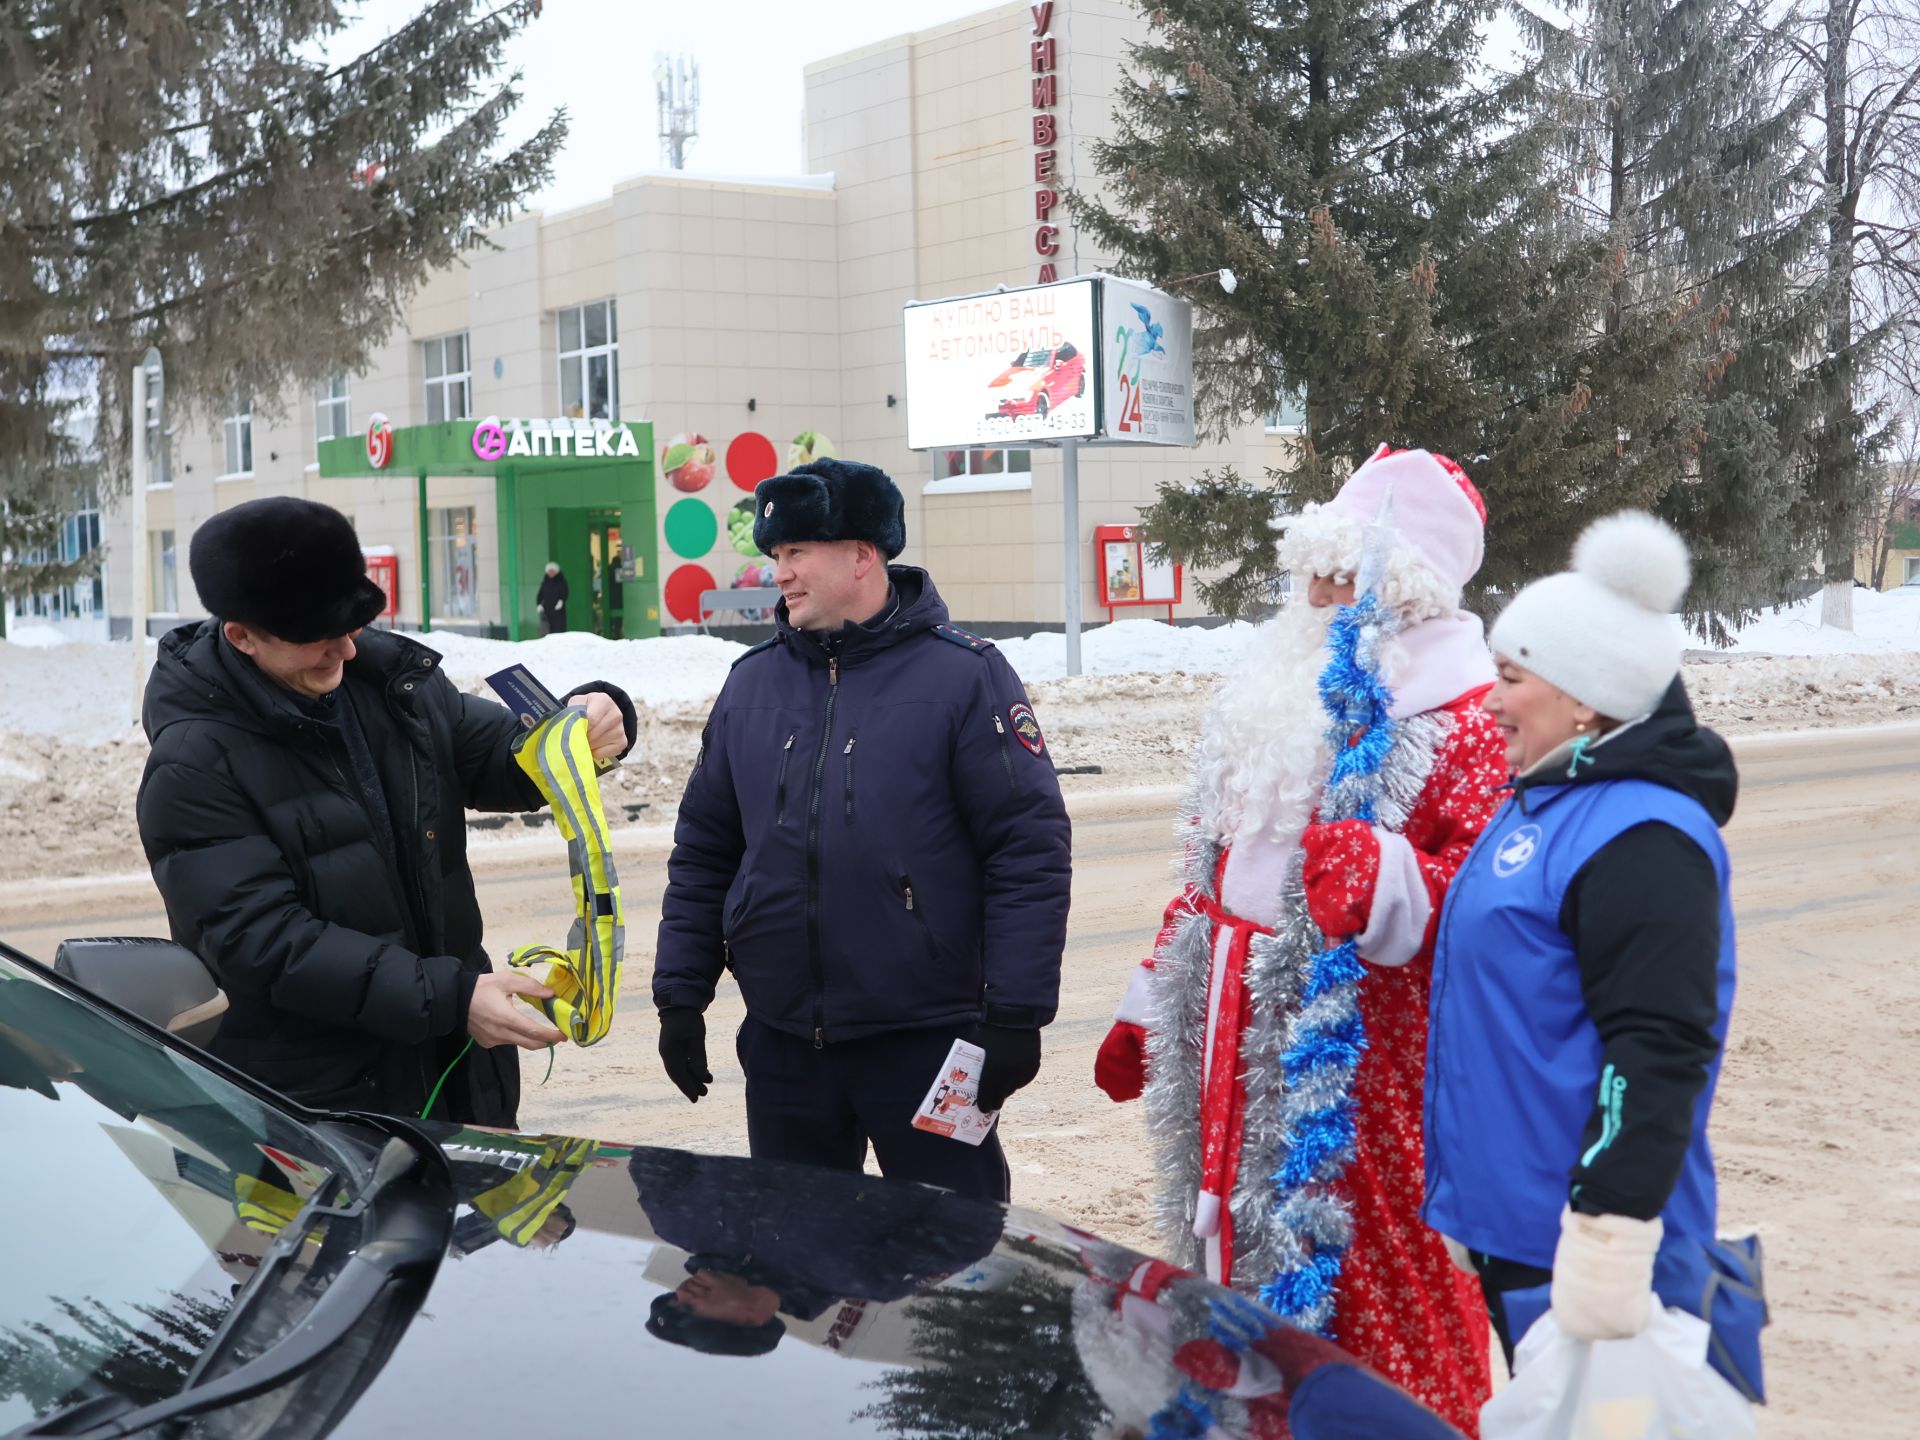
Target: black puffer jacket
344,963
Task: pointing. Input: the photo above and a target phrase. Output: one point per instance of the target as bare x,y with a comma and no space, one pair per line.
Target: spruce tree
191,176
1684,147
1410,264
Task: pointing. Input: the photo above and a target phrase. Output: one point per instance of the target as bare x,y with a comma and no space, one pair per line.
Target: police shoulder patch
965,639
1026,729
765,644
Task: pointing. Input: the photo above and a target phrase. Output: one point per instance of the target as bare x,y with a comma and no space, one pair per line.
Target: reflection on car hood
590,1286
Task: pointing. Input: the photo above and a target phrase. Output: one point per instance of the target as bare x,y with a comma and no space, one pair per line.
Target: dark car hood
904,1311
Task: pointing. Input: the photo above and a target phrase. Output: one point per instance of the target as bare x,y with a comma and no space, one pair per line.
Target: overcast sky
595,57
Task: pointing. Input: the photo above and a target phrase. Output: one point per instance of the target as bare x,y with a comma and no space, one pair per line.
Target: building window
332,410
159,441
239,428
1913,571
1289,417
163,589
452,547
962,472
590,362
449,392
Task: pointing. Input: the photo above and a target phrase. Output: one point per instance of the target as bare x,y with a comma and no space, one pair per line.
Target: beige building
740,318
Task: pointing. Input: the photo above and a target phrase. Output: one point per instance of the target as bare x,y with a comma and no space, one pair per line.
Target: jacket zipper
926,932
813,859
848,753
780,786
1006,760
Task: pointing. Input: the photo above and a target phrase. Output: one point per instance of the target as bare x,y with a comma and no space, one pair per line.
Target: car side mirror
162,982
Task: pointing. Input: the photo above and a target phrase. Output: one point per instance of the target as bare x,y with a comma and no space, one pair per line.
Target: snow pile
81,690
1129,647
36,637
1883,624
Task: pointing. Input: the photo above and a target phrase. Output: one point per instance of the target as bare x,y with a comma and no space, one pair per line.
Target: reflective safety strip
585,977
520,1206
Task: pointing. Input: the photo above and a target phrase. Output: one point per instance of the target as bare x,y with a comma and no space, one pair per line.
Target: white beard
1263,759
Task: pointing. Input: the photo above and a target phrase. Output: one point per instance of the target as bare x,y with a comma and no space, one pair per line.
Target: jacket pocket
847,757
780,785
915,909
1006,755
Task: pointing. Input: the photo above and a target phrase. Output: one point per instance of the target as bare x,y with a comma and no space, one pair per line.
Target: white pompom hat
1439,525
1604,631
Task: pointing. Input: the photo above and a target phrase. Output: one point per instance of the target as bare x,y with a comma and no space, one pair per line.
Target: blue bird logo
1149,331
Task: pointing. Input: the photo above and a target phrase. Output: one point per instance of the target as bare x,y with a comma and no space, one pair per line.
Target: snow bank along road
1812,1125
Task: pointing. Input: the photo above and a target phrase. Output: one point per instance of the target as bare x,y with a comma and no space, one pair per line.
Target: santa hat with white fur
1439,523
1604,631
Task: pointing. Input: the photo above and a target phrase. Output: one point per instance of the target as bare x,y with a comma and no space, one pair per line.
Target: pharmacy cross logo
1516,852
489,440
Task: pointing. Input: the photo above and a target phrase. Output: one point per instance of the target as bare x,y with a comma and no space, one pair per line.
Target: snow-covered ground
71,755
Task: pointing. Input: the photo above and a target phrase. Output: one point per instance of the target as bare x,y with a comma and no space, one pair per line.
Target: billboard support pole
1070,534
137,539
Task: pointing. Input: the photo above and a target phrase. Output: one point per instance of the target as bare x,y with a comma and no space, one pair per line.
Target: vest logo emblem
1516,852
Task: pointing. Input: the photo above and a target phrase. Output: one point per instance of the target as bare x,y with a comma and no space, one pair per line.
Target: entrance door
603,558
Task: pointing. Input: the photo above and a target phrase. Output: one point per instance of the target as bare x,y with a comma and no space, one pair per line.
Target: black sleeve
1644,918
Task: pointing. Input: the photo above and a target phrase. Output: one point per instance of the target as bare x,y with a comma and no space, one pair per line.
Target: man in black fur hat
874,844
303,810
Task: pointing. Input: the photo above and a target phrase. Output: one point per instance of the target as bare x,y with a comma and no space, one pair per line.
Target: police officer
874,843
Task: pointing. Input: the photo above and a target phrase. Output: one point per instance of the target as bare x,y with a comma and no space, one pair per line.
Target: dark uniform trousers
823,1106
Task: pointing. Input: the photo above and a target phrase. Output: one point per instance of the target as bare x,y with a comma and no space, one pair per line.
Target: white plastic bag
1656,1386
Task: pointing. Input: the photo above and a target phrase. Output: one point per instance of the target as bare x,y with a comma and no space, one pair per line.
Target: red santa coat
1221,958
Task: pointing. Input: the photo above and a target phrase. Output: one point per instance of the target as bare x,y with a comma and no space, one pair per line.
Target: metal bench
738,601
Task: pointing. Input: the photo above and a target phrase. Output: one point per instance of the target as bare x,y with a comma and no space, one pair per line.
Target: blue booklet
524,695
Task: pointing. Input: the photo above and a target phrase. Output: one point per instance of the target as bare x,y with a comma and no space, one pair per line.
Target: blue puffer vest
1513,1058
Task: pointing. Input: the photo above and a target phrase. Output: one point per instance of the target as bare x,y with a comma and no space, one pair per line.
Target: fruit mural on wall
712,532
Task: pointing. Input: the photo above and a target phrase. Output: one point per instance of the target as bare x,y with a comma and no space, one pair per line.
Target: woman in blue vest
1584,969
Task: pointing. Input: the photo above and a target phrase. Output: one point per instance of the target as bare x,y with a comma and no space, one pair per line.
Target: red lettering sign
1041,54
1048,274
1046,91
1043,130
1043,166
1046,240
1042,61
1043,204
1042,16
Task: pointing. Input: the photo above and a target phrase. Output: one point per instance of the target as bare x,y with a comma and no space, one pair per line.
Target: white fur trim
1397,926
1206,1215
1322,541
1436,662
1136,1006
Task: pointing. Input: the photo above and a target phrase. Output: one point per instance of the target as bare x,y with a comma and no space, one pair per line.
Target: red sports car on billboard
1040,380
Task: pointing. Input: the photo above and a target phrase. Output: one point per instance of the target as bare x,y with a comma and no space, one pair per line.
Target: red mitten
1343,865
1120,1068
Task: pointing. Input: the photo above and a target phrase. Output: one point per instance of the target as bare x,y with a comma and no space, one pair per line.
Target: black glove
683,1050
1013,1059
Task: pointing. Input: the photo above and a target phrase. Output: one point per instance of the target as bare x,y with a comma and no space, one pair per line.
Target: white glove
1603,1275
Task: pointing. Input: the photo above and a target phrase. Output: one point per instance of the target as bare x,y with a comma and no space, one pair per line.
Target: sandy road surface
1814,1120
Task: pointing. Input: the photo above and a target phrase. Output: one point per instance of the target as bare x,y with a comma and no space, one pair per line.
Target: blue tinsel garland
1324,1054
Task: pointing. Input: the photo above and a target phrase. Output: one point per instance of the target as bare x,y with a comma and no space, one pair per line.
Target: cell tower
676,79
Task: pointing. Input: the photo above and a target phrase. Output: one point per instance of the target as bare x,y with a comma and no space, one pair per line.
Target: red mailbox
383,568
1128,575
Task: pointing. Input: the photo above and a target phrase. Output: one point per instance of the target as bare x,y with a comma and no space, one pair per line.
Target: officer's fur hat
830,500
711,1337
292,567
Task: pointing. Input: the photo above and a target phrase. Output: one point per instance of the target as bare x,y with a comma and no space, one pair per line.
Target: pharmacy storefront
460,520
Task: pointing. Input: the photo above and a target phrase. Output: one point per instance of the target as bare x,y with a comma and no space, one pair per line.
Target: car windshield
142,1190
1033,360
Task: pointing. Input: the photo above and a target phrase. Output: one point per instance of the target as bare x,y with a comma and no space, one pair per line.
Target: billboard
1008,368
1146,365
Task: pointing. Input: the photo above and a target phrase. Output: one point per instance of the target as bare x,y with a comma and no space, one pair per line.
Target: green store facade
593,512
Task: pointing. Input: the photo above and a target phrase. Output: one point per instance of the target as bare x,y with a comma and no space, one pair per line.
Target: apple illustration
688,461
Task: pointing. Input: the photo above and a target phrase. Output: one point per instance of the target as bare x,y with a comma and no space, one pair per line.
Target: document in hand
949,1108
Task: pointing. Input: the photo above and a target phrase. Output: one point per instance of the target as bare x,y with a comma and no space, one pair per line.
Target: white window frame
583,353
333,394
443,538
978,482
160,442
434,353
1913,570
163,573
237,442
1276,421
